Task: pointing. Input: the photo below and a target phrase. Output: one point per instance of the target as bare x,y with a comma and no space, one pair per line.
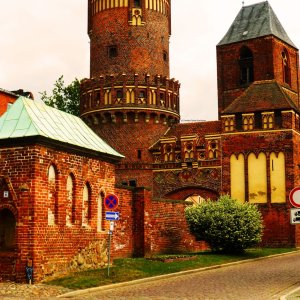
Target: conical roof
255,21
28,118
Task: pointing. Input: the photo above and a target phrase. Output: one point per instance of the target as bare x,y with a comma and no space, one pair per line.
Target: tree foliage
65,98
226,225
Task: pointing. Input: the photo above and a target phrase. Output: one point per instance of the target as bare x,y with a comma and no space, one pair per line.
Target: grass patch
136,268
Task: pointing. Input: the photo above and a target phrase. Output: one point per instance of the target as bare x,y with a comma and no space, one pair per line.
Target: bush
226,225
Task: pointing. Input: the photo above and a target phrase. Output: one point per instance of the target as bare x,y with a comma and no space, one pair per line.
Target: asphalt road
263,279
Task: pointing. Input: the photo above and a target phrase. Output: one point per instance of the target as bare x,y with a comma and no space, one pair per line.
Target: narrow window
52,197
70,209
100,219
139,154
119,94
286,67
246,66
112,51
86,205
165,56
137,3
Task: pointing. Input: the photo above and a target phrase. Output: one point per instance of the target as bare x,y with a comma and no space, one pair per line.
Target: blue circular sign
111,202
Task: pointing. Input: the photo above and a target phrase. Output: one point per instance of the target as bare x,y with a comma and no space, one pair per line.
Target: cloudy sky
44,39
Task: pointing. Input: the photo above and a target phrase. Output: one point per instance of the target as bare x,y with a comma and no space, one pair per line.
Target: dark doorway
7,230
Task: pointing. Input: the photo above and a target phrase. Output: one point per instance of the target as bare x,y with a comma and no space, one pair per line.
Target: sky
44,39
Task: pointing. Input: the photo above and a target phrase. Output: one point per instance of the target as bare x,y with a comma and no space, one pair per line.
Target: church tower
256,48
130,99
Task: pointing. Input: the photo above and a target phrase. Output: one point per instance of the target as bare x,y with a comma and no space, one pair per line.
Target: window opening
7,230
286,67
246,66
112,51
137,3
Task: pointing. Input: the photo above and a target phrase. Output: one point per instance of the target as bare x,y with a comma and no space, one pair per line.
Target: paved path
258,280
12,290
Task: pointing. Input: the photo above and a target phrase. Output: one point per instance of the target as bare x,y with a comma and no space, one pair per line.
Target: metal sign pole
111,229
109,242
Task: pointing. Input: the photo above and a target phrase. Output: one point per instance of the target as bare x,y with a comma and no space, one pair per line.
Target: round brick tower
130,101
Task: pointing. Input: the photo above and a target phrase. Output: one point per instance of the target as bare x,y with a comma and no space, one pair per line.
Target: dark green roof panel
254,21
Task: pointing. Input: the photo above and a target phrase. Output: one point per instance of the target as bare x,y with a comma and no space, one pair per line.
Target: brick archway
184,193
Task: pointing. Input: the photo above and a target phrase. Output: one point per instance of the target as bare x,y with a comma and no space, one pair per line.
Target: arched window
168,153
257,178
100,219
70,209
246,66
7,230
213,149
52,197
277,178
86,205
237,177
286,67
188,151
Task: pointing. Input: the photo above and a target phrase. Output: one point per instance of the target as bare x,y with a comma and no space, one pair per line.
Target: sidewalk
293,295
12,290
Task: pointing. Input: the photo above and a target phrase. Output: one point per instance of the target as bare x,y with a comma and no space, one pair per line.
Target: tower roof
263,96
27,118
255,21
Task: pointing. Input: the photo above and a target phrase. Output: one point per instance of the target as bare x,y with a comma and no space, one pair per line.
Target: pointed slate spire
255,21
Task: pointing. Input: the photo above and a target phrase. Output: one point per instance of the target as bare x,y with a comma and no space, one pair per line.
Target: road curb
166,276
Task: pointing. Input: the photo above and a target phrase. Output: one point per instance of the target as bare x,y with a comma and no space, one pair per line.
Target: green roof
255,21
28,118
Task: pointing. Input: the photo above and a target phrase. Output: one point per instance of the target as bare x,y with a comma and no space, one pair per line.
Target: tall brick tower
130,101
256,48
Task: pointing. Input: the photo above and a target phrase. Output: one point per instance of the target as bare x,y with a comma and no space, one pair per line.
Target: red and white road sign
295,197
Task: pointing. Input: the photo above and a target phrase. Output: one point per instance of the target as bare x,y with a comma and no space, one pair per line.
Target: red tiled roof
262,96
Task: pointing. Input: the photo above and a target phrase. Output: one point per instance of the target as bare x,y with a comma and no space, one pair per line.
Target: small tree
65,98
226,225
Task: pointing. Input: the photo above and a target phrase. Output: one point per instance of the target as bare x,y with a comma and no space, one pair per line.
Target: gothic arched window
246,66
286,67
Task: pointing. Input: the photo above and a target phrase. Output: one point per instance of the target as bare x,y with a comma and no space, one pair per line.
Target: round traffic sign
111,202
295,197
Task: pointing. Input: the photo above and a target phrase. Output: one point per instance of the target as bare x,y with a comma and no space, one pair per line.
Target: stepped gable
27,118
263,95
254,21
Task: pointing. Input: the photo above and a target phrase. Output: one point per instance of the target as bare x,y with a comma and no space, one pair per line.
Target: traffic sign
295,216
112,216
111,202
295,197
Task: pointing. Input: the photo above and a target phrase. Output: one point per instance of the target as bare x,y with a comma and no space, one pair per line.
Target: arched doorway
7,230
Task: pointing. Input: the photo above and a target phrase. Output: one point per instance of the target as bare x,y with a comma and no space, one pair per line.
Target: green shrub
226,225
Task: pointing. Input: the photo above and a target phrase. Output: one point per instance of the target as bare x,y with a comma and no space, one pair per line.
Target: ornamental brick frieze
169,181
